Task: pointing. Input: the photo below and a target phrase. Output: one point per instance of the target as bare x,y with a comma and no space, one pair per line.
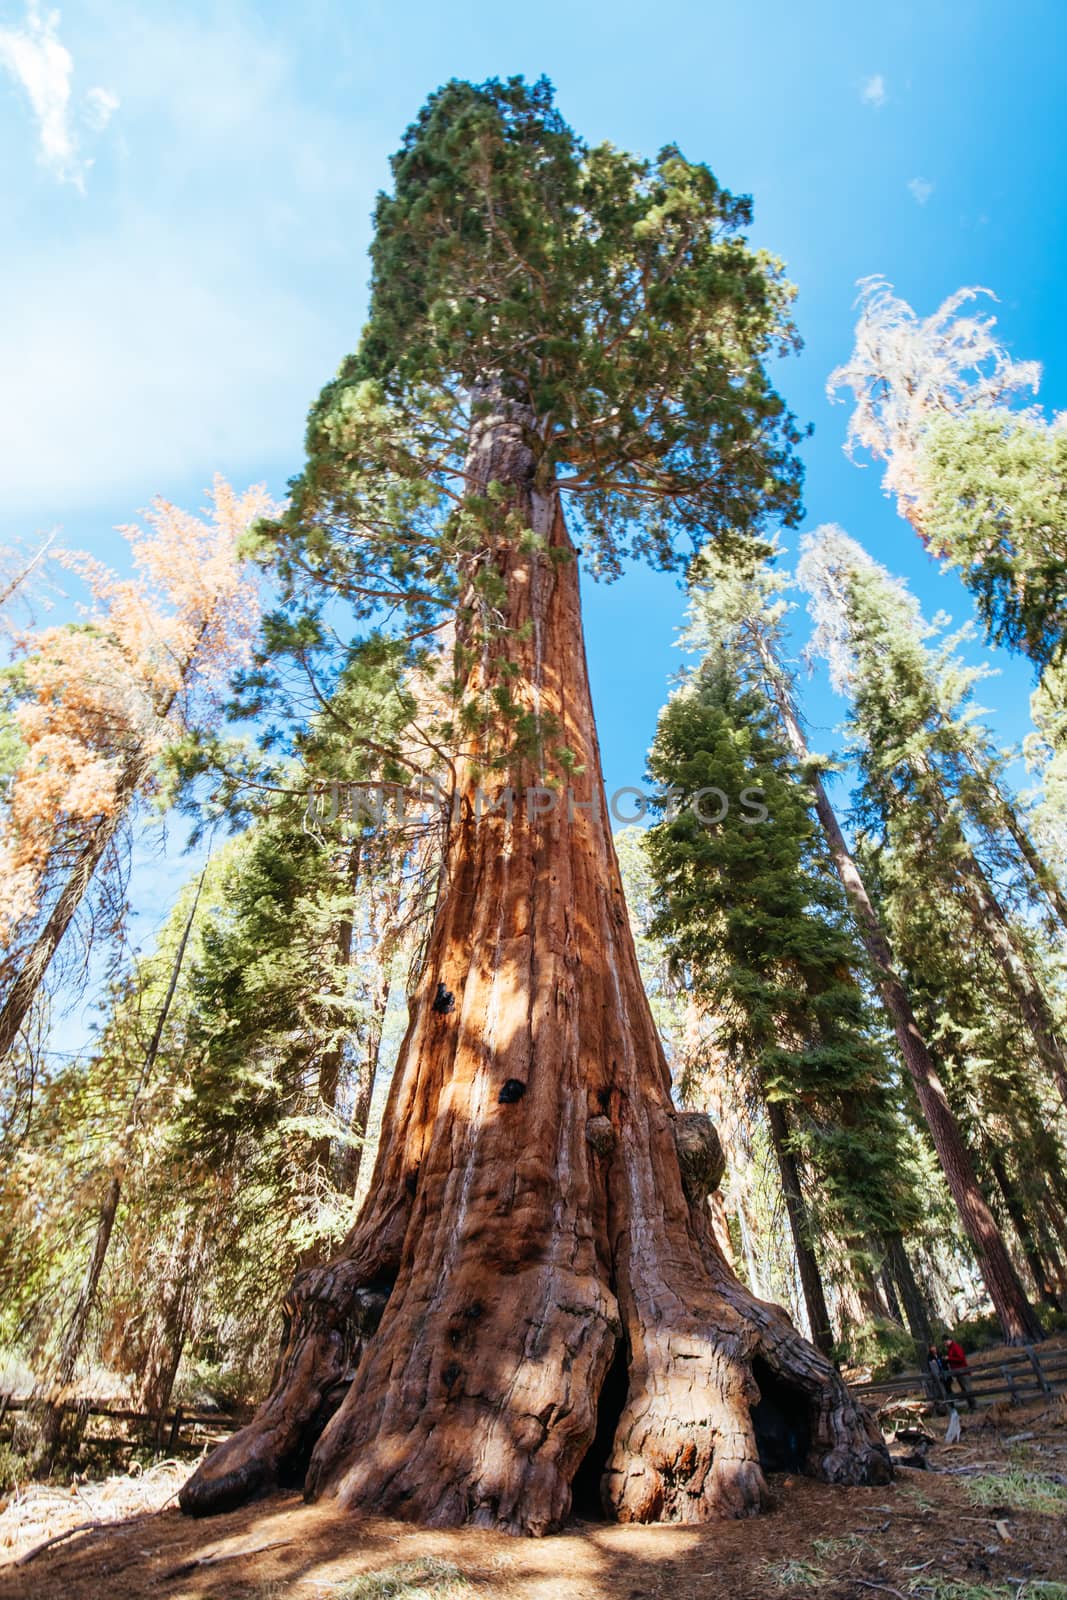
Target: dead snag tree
532,1307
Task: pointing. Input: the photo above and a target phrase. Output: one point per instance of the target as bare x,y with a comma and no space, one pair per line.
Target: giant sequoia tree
533,1290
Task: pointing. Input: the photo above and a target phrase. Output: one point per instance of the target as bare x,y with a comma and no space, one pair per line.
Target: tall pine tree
753,917
740,606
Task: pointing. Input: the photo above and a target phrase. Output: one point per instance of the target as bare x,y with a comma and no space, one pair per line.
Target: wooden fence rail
1023,1371
174,1418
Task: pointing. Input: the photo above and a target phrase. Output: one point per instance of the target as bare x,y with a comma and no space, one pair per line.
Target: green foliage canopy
612,303
754,920
996,505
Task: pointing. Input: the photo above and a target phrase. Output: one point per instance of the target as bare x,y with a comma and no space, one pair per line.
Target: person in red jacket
957,1366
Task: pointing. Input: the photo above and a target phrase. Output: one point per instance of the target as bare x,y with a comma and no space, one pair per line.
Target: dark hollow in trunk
587,1486
781,1421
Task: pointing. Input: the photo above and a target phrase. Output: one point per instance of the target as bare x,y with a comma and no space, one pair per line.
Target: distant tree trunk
332,1062
385,935
367,1073
33,967
889,1289
811,1283
1005,813
990,921
1057,1220
912,1298
710,1099
720,1227
868,1295
1017,1317
1052,1245
530,1229
171,1328
751,1264
992,926
1023,1231
74,1337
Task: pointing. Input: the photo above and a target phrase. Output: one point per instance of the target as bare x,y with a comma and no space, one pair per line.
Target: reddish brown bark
1005,814
1024,1231
553,1297
991,923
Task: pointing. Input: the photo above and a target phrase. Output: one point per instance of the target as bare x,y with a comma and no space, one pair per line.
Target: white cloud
140,358
185,332
921,190
100,107
873,92
43,66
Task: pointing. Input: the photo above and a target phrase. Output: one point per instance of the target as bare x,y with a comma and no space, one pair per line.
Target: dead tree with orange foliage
103,699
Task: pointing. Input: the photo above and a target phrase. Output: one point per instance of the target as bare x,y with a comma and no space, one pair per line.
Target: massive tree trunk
1018,1319
552,1303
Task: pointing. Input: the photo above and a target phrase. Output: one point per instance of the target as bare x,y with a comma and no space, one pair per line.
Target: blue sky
187,194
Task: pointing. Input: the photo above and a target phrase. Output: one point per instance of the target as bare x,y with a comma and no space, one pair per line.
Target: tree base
687,1441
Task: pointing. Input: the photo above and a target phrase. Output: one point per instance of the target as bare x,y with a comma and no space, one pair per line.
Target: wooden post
1006,1374
1042,1381
935,1388
175,1429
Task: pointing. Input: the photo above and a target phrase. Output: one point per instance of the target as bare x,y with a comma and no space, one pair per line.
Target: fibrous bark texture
552,1303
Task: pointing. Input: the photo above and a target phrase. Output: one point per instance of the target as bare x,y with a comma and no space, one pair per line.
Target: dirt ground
958,1530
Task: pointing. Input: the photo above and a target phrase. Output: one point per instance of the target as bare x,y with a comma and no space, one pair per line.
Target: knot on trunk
324,1299
600,1134
700,1154
502,433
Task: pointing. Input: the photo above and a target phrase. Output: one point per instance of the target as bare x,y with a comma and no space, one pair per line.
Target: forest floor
986,1520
